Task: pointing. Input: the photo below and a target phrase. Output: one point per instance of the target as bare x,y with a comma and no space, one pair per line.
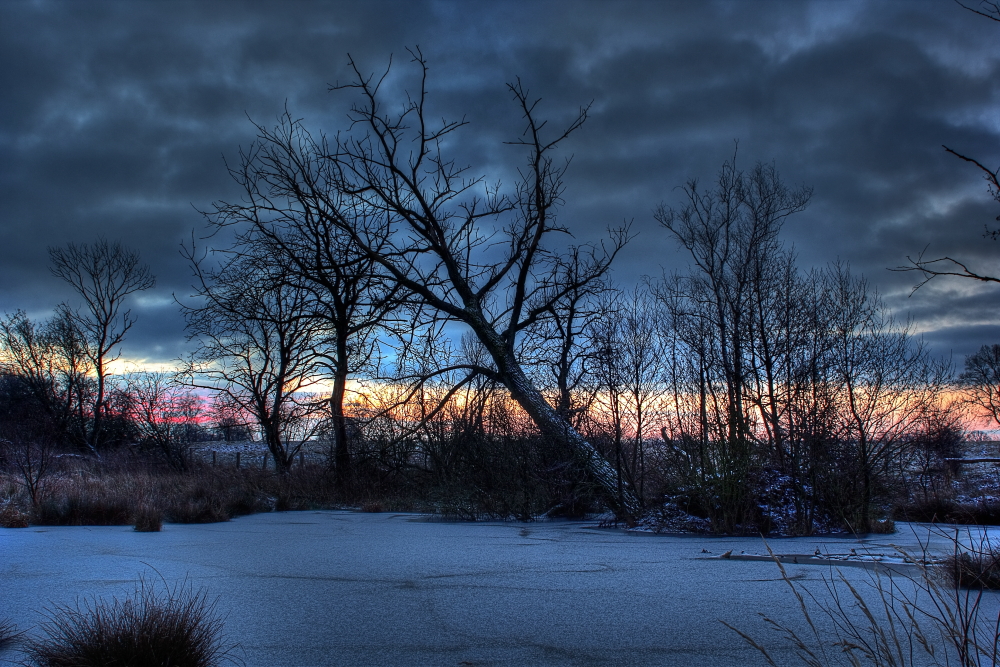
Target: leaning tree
463,250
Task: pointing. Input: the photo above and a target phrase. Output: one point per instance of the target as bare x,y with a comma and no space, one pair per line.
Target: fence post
237,459
263,465
214,461
302,459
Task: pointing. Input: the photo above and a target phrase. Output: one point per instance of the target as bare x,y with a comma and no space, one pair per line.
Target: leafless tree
228,419
885,380
161,411
561,350
981,380
731,235
103,274
949,266
32,458
291,195
256,347
629,351
462,250
50,360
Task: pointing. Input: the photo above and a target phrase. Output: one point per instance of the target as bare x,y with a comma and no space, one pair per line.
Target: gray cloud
115,118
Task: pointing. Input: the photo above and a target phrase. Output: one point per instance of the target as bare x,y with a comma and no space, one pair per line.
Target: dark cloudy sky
115,117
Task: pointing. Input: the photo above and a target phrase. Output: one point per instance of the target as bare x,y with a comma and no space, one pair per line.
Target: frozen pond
340,588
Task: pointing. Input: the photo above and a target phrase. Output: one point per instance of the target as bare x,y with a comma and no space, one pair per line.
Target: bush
176,628
197,510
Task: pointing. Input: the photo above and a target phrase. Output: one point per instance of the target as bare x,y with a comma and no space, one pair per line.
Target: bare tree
257,347
628,369
640,352
50,361
731,235
32,458
981,380
161,411
291,223
886,382
561,350
104,275
462,250
949,266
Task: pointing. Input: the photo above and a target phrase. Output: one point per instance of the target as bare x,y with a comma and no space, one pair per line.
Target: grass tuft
976,568
12,517
148,520
8,633
372,506
175,627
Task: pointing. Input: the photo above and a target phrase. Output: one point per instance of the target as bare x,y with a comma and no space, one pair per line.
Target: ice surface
341,588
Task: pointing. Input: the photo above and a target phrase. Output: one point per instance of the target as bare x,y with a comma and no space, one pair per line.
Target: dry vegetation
941,614
176,627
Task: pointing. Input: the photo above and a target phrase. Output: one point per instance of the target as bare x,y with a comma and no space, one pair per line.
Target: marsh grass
976,566
110,493
897,618
12,517
174,626
9,636
147,520
127,488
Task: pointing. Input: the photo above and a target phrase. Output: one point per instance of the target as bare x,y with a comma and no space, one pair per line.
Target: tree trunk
626,506
341,451
282,464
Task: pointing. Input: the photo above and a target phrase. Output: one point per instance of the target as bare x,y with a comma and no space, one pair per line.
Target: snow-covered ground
342,588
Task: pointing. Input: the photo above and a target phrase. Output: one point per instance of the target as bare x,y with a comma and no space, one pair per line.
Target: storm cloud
115,119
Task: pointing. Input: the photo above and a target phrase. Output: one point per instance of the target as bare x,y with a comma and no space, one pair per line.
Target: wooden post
263,465
214,460
237,459
302,459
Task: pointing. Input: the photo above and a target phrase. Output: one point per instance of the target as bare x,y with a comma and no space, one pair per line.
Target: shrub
977,569
177,627
83,509
883,526
197,510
